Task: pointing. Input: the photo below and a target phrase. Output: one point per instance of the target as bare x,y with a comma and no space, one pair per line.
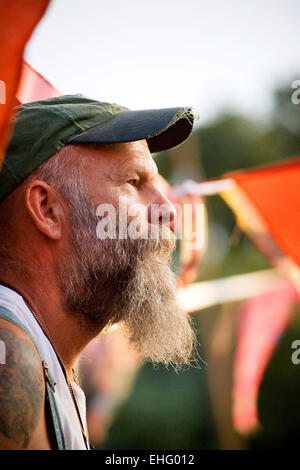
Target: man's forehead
121,156
137,154
130,148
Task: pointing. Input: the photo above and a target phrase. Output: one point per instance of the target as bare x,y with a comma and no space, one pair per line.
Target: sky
211,55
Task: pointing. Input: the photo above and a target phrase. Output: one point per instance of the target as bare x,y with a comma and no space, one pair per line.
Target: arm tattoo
21,388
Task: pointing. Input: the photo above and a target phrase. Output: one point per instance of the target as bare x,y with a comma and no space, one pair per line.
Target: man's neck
63,330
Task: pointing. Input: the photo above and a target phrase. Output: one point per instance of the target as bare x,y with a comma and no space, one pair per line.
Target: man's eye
133,182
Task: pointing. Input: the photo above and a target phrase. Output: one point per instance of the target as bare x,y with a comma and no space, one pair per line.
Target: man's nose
161,210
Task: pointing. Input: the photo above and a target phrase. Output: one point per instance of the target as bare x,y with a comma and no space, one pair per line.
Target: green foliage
230,143
167,410
278,403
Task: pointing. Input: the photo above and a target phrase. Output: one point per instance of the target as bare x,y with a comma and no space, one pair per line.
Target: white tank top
64,401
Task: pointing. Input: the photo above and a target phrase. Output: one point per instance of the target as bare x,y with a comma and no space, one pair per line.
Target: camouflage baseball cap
41,128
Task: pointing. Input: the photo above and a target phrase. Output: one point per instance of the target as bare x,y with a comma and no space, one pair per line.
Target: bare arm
22,390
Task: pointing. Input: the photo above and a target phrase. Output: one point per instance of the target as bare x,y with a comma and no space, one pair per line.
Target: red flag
261,321
18,19
266,201
33,86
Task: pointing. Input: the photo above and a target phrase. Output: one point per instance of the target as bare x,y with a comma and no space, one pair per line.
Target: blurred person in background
108,368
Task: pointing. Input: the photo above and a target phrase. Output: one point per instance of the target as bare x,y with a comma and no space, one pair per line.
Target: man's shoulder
17,335
22,389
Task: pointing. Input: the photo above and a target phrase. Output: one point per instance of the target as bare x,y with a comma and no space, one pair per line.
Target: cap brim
162,128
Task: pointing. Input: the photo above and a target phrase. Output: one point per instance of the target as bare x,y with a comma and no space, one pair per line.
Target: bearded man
62,282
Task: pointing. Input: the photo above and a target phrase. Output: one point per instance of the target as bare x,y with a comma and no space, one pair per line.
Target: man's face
127,172
113,280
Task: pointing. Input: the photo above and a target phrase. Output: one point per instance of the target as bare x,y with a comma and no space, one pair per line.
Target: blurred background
234,62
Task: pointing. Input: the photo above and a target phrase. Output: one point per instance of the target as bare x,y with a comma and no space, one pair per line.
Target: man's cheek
137,222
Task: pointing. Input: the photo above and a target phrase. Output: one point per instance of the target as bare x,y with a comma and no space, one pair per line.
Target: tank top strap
55,422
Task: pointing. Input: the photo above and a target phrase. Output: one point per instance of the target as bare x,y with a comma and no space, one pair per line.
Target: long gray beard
129,281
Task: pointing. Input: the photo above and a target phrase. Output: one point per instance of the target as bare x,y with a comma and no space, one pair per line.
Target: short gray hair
63,171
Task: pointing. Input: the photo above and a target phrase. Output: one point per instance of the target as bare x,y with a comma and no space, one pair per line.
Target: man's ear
45,208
